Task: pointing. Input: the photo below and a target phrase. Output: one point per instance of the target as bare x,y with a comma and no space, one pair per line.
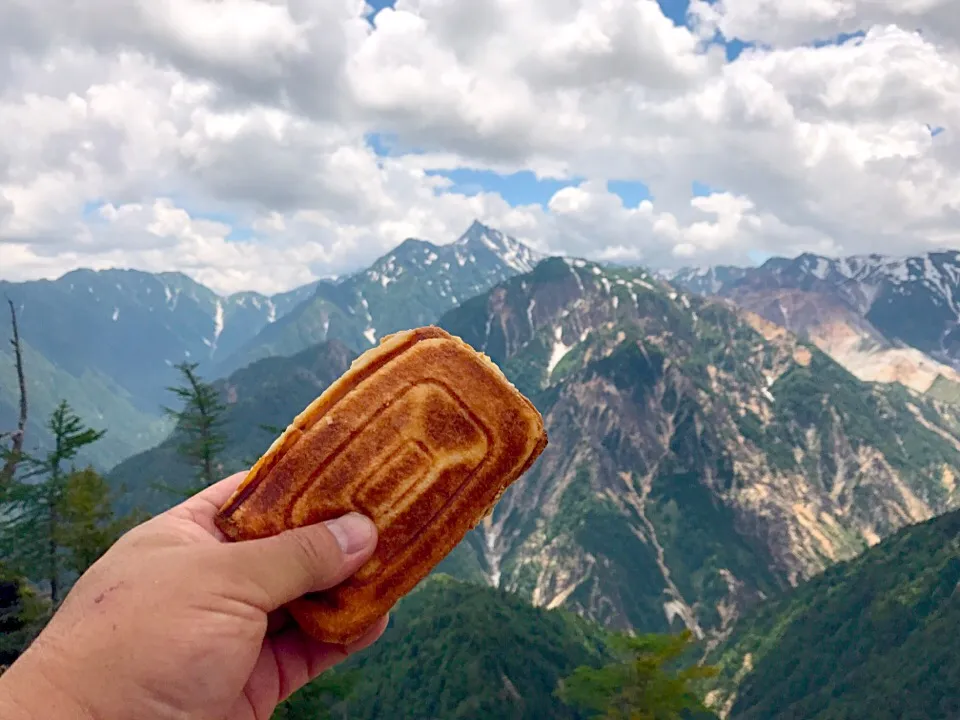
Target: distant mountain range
411,286
885,319
107,341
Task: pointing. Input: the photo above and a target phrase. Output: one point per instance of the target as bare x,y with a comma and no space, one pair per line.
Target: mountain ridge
871,303
409,286
671,418
108,340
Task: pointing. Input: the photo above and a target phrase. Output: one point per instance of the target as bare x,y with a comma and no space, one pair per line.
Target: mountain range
885,319
700,458
108,341
409,287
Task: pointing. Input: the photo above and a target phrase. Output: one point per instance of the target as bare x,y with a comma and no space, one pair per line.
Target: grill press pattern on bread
422,434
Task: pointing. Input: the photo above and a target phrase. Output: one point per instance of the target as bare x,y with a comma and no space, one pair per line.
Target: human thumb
276,570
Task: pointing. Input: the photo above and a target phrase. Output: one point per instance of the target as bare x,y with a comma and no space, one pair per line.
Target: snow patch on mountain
558,351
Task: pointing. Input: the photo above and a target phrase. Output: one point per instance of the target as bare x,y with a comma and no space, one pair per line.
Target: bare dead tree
16,436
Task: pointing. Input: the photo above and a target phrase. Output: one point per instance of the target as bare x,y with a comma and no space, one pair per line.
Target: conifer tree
88,524
199,422
648,685
35,505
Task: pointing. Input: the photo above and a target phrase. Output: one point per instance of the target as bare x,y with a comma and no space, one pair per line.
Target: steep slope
847,337
884,317
266,395
96,398
694,465
106,341
461,651
869,639
410,286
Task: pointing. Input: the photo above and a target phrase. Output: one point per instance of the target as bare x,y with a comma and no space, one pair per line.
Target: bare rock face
885,319
701,457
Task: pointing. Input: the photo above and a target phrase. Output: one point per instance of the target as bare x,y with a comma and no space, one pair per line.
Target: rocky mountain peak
510,251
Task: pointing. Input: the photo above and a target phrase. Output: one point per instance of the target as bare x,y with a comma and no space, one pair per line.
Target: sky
259,144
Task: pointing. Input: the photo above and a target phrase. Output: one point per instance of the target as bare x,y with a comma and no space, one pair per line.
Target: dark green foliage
88,524
323,699
868,639
455,650
199,427
649,683
22,615
32,537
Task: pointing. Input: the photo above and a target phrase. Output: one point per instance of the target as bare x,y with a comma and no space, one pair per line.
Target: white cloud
794,22
227,139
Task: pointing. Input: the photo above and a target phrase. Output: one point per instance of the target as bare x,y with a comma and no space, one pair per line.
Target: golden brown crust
422,434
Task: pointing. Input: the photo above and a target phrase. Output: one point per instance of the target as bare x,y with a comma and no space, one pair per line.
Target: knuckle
317,551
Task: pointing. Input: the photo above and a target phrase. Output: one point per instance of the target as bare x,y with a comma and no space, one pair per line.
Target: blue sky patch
240,234
520,188
699,189
389,145
91,209
838,39
758,257
631,192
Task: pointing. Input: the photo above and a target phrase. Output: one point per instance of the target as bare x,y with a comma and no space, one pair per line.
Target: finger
203,507
301,659
209,500
218,493
290,660
276,570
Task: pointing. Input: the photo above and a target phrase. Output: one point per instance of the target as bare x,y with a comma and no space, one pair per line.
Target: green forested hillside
870,639
455,650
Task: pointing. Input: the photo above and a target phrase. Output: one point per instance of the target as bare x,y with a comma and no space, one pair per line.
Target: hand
175,622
